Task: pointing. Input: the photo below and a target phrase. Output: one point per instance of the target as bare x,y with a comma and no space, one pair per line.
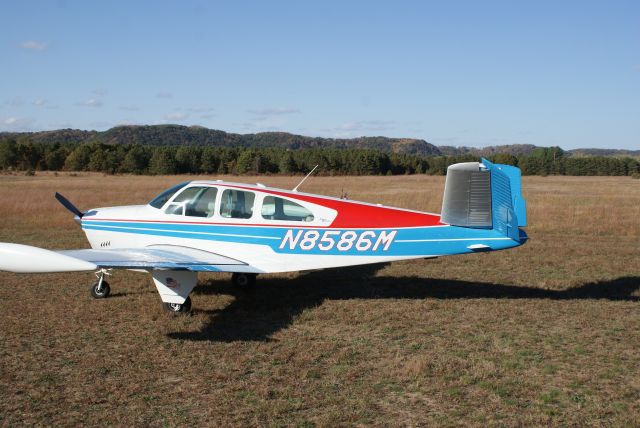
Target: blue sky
456,73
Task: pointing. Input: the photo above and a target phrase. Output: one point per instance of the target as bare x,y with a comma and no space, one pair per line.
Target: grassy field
546,334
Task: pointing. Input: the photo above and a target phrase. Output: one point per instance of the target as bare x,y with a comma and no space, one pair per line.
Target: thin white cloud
34,46
91,102
100,92
44,103
176,116
274,111
17,124
164,94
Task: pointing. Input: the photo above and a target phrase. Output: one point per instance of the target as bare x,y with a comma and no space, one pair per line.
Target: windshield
163,197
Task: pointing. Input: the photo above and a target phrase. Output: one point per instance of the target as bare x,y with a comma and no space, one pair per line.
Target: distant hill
513,149
528,149
165,135
604,152
172,135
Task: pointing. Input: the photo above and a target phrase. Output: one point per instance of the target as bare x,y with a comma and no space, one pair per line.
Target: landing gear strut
177,307
243,280
100,289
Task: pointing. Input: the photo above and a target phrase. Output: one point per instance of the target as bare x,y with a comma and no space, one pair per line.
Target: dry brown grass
546,334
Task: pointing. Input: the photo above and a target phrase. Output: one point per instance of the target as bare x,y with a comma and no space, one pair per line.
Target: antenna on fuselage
295,189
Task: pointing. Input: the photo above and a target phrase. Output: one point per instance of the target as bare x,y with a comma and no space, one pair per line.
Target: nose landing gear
100,289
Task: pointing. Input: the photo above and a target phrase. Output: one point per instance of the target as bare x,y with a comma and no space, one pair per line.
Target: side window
175,209
194,202
274,208
237,204
205,203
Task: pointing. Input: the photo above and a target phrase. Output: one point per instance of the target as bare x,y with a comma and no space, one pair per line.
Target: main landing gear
100,289
177,308
243,280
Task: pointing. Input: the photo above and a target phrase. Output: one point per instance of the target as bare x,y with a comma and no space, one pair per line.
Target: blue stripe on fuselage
415,241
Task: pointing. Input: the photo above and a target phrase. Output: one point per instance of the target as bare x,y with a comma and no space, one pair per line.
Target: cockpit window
283,209
163,197
195,202
237,204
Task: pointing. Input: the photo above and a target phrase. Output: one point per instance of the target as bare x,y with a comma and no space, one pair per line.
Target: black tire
101,293
244,280
176,308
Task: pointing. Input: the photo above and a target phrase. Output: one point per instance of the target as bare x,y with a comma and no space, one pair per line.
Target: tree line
160,160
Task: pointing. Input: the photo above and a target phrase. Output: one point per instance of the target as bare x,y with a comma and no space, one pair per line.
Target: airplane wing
24,259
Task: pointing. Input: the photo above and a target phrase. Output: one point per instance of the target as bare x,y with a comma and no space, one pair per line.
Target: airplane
246,230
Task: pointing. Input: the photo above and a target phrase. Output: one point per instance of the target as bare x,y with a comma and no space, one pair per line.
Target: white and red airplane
216,226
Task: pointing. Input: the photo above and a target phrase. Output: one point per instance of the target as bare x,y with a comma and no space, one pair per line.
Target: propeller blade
68,205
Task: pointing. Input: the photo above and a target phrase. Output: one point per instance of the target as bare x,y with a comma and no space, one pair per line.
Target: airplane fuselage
316,232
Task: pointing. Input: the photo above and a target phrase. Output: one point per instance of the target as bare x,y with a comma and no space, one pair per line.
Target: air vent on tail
467,196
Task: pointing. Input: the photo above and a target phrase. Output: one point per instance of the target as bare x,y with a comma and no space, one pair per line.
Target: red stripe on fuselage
359,215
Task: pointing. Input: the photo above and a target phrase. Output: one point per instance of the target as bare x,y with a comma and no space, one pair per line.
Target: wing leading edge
166,257
27,259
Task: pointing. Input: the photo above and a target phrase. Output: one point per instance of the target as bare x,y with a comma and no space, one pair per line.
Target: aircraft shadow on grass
272,305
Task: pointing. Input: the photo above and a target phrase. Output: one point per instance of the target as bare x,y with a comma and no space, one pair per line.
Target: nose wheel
100,289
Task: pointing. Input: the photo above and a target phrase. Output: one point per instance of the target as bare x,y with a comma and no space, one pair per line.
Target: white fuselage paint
259,258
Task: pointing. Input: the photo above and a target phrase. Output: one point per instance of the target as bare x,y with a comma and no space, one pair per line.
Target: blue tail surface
508,207
484,195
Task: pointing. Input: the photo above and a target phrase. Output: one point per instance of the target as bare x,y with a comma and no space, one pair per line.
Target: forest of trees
25,155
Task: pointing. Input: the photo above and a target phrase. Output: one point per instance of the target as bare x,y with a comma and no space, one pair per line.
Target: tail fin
485,196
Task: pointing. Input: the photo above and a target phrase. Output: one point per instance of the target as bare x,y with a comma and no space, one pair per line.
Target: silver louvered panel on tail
467,196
